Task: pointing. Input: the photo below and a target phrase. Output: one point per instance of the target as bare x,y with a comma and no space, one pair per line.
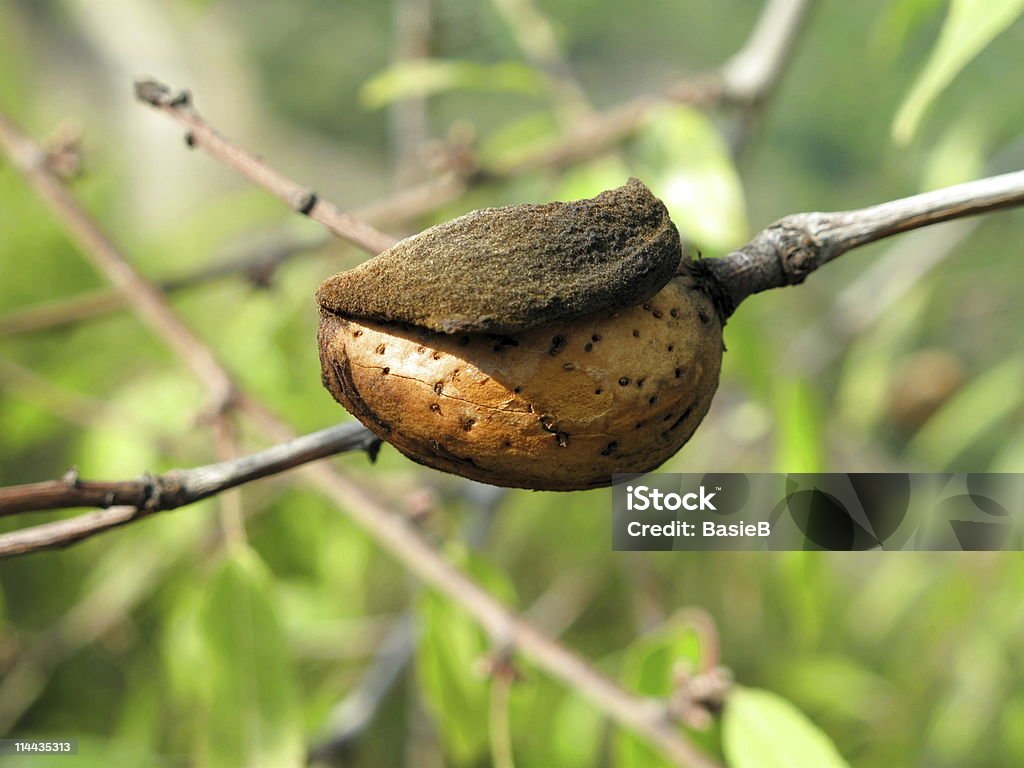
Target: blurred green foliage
161,645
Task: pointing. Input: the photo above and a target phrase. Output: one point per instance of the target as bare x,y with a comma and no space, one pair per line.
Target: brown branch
128,500
646,717
176,488
751,74
745,79
300,199
63,311
750,77
786,252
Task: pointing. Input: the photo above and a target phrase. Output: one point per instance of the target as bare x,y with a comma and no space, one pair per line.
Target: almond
563,406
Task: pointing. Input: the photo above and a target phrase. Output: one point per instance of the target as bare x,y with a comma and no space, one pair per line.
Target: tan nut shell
561,407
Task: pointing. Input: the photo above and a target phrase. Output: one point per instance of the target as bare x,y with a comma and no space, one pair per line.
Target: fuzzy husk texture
506,270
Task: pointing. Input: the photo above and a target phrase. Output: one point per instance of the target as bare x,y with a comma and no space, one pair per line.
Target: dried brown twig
178,104
786,252
176,488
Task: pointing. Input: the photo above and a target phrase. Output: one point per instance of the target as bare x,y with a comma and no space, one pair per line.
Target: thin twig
159,493
64,311
752,73
178,104
751,76
786,252
356,711
229,503
178,487
498,721
646,717
770,44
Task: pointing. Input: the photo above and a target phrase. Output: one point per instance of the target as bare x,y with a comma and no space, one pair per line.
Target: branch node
796,247
306,202
161,95
500,665
151,492
151,91
698,697
372,448
63,151
182,98
71,478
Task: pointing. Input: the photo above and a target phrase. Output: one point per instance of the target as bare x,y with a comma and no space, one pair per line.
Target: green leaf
685,162
649,669
762,730
836,685
970,25
960,154
183,653
1012,458
428,77
804,610
448,658
251,712
897,19
576,734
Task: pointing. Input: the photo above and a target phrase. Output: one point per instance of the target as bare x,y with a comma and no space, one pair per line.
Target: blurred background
902,356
